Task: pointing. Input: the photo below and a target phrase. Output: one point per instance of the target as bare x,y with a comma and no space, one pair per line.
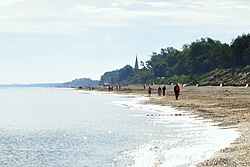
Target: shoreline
227,107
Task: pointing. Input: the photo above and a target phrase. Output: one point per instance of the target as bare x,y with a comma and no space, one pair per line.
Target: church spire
136,64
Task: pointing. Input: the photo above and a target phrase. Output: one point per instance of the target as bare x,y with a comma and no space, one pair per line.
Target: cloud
9,2
83,16
107,38
168,13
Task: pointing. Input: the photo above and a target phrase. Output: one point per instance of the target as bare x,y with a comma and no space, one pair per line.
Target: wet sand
228,107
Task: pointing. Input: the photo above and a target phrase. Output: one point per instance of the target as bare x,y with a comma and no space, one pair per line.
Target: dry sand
227,106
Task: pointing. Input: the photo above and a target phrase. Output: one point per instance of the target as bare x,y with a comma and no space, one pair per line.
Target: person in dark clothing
176,91
163,90
159,91
149,91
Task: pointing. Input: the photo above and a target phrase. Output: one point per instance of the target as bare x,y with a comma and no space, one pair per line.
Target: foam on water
197,141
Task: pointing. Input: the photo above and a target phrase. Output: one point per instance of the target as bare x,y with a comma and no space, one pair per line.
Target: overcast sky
60,40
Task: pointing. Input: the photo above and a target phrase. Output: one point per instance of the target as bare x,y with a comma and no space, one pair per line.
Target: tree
240,50
125,72
195,59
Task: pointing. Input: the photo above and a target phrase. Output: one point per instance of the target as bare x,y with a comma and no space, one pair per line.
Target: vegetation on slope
205,61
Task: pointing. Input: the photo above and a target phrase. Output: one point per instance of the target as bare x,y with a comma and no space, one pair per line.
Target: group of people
111,88
163,91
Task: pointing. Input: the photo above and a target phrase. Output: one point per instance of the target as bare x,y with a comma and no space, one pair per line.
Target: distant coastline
31,85
82,82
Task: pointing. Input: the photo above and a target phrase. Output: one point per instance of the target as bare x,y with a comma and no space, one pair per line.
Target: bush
178,79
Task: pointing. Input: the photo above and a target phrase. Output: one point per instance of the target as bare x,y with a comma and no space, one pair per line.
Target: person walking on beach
163,90
159,91
149,91
176,91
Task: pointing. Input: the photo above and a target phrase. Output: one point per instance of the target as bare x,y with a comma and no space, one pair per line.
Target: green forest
204,61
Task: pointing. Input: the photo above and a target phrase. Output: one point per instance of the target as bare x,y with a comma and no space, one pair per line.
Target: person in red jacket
176,91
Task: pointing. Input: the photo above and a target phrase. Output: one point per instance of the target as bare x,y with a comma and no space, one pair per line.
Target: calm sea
42,127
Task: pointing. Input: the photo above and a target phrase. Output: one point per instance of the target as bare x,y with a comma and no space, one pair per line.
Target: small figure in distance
159,91
176,91
149,91
163,90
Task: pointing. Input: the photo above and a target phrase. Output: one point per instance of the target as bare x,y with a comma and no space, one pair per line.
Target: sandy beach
228,107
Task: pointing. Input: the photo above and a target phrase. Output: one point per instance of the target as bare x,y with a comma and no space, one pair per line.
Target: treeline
186,65
82,82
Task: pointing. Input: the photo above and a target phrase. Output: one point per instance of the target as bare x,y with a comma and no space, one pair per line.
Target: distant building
136,64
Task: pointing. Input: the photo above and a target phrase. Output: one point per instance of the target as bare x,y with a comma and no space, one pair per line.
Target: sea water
64,127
